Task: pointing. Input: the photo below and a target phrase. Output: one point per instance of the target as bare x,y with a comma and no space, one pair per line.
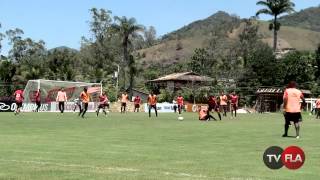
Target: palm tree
275,8
126,28
132,72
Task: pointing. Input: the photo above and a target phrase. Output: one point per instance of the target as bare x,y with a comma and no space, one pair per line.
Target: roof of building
277,91
185,76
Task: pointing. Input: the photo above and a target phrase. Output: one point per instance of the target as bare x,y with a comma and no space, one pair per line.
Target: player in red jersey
19,99
104,102
137,102
234,99
180,103
38,100
213,105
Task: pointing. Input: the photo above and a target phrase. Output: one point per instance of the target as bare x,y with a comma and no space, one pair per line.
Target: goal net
49,90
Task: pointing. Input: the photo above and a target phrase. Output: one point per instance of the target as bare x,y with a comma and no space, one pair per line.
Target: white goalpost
49,90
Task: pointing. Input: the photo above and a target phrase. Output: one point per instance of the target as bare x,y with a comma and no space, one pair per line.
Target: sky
64,22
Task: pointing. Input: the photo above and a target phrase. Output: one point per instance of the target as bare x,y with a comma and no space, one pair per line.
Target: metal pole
101,87
117,86
194,99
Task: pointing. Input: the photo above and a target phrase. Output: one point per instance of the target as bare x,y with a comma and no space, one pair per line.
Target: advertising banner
7,106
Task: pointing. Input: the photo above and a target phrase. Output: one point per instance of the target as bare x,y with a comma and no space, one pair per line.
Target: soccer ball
180,118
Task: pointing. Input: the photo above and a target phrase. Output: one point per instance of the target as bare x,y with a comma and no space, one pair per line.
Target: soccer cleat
298,137
285,135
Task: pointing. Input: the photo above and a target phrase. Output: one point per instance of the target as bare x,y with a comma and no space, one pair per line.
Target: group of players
220,104
216,104
291,102
152,103
82,102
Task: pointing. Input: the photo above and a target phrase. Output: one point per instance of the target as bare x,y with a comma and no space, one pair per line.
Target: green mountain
179,45
209,26
306,19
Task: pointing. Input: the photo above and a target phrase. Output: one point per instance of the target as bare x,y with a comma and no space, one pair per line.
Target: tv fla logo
292,157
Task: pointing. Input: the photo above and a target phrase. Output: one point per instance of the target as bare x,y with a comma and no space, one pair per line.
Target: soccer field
133,146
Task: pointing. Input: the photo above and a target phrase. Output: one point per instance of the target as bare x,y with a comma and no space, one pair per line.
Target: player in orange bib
292,108
85,98
204,114
318,107
61,99
152,103
124,100
180,103
224,103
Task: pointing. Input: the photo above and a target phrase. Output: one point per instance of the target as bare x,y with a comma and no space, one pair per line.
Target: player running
152,103
224,103
180,103
38,100
85,98
292,107
104,102
77,103
234,99
18,94
318,107
137,102
213,105
61,99
124,100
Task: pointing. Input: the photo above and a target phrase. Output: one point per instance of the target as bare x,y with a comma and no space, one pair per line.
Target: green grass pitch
133,146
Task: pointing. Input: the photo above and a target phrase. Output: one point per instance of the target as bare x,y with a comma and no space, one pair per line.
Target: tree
275,8
61,64
132,73
200,62
126,29
298,67
29,56
318,62
7,71
150,36
264,64
100,51
1,38
248,39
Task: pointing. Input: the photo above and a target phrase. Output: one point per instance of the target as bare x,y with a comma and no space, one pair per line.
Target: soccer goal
49,90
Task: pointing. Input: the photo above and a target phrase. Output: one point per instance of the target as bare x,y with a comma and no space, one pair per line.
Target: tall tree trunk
131,85
125,60
132,71
275,34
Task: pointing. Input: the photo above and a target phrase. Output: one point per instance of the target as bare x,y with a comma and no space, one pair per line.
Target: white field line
120,169
72,165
